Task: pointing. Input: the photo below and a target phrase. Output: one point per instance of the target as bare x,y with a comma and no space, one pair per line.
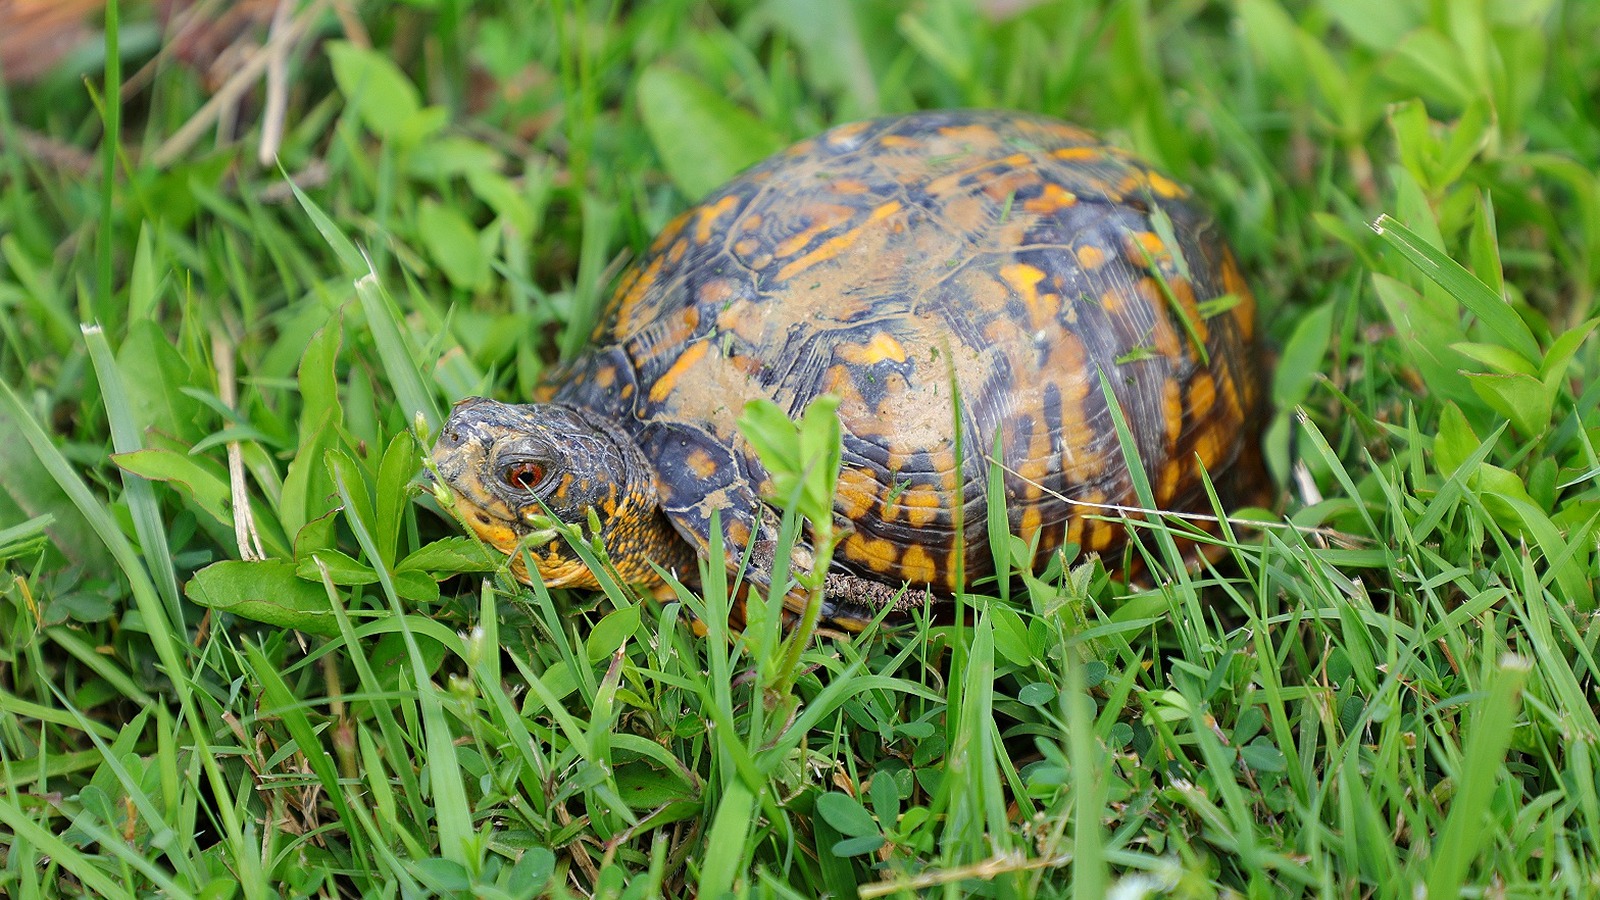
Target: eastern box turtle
1015,256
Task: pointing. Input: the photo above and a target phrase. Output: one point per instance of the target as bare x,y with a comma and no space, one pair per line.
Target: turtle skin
1009,261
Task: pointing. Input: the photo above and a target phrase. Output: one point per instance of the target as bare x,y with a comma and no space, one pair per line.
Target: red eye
523,476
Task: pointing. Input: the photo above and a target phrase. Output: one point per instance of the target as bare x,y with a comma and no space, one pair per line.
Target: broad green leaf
400,462
444,877
308,493
143,283
391,659
204,484
421,125
1301,363
418,587
531,872
1455,442
821,450
1429,64
508,202
1427,335
703,139
1037,694
1377,24
345,470
846,814
155,376
342,569
610,632
453,243
646,787
321,533
1503,481
318,379
1563,348
382,96
858,846
1501,359
451,156
266,591
1508,501
1522,399
801,456
448,556
885,796
775,438
1261,755
1011,636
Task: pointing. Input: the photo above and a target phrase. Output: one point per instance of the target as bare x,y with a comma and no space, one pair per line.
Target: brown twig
187,20
174,147
56,154
244,521
277,107
987,869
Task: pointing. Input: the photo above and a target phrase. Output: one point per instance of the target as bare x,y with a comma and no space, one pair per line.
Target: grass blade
1456,847
142,503
1497,316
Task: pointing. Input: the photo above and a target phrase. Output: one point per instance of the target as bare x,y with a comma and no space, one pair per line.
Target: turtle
966,282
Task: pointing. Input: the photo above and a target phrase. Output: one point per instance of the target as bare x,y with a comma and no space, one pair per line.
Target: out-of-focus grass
1394,696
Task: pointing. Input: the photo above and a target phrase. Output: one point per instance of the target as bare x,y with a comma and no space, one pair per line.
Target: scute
1010,255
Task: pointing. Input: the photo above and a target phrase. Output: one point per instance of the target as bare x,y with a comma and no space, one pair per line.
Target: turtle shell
1012,260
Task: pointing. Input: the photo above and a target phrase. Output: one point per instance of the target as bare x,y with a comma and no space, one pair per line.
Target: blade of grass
398,363
727,841
167,644
1456,847
110,143
142,504
63,854
1497,316
458,841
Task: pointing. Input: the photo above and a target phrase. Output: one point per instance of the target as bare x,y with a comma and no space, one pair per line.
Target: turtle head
519,472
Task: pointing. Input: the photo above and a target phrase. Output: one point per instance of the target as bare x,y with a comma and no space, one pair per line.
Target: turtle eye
523,476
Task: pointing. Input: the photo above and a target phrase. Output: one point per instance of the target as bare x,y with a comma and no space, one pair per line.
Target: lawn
246,654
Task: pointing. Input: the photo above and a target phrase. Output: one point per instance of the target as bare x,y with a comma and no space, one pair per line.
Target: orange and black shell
1012,258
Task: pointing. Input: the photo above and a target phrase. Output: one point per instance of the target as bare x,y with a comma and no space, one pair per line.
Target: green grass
1391,698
